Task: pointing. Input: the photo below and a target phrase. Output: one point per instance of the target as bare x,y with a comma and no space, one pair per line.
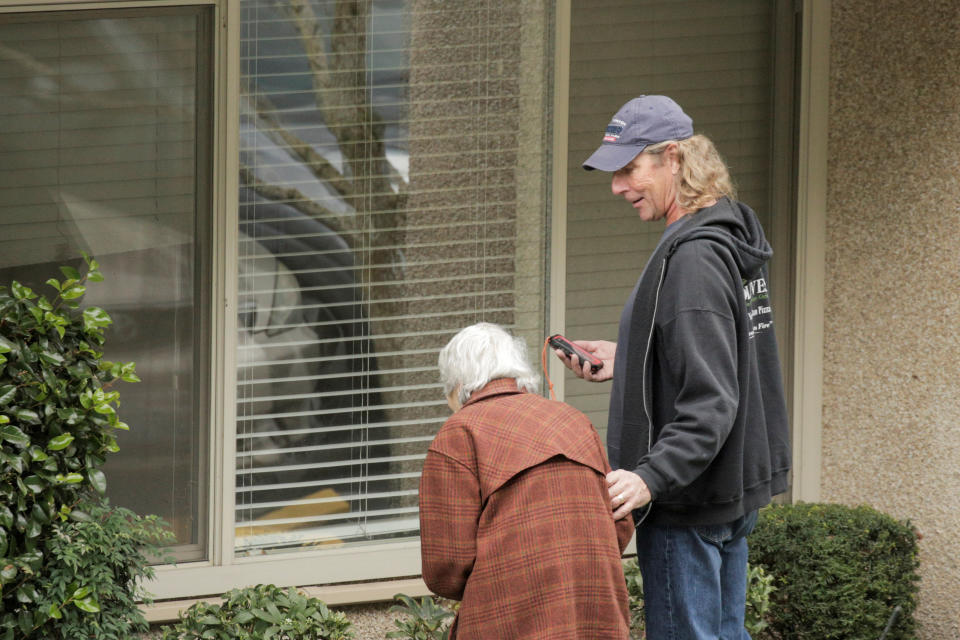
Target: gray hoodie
697,407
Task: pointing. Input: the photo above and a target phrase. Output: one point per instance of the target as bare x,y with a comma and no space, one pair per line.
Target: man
697,434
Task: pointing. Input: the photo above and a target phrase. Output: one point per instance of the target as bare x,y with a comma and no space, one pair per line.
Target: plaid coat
515,521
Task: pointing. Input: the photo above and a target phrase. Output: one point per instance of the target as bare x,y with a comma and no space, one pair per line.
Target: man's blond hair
704,177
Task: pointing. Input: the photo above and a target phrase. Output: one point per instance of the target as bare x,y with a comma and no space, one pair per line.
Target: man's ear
672,156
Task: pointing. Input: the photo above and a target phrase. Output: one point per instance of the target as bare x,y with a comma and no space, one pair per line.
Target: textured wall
891,434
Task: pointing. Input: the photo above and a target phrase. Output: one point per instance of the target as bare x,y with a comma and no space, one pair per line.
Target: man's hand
628,491
601,349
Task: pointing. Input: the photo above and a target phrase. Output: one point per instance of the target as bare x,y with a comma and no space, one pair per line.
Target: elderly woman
515,519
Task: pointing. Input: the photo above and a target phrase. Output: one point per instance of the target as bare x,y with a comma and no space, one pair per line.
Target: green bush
109,554
759,588
262,612
57,423
631,571
839,571
423,620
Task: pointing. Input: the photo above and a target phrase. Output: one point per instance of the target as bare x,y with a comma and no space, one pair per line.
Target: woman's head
480,353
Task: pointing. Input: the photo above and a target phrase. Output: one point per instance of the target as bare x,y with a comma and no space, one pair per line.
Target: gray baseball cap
641,122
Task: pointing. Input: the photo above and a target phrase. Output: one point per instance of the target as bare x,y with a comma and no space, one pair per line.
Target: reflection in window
99,144
378,215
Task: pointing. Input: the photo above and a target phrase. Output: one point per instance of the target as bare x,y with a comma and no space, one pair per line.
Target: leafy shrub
57,420
109,553
631,571
839,571
759,588
423,620
262,612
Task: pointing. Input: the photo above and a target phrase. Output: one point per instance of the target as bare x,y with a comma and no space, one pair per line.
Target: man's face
647,183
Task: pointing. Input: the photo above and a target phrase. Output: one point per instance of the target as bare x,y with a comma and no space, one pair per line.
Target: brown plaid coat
515,521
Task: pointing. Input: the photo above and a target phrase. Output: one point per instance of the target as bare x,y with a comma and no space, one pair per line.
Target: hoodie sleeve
696,351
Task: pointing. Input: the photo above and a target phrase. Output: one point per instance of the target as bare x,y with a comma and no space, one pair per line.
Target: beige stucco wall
891,419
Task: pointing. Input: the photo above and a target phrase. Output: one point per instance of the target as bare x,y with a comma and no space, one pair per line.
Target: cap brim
613,157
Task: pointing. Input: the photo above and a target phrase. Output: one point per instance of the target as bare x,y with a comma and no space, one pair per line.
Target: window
393,188
730,66
103,149
379,214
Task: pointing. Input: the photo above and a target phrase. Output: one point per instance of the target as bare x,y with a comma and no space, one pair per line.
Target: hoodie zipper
646,356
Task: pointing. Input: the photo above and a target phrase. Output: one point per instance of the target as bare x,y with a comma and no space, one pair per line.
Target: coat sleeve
624,531
449,513
624,526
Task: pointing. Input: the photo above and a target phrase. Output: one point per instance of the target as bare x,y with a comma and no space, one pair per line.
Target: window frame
221,571
802,265
221,172
810,248
208,161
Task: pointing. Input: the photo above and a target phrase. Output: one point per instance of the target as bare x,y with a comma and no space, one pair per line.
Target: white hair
480,353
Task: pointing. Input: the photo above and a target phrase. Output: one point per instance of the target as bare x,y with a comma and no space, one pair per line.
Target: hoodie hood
735,226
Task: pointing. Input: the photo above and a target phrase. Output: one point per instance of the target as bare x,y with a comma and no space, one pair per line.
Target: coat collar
500,386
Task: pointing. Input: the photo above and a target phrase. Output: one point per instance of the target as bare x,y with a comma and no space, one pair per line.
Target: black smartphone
557,341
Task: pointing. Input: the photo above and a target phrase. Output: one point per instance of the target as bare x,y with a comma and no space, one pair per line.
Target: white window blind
716,60
100,143
378,216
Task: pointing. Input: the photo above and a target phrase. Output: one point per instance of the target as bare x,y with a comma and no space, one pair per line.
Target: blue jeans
695,580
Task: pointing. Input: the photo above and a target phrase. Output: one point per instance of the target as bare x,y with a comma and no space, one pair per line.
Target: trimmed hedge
839,571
